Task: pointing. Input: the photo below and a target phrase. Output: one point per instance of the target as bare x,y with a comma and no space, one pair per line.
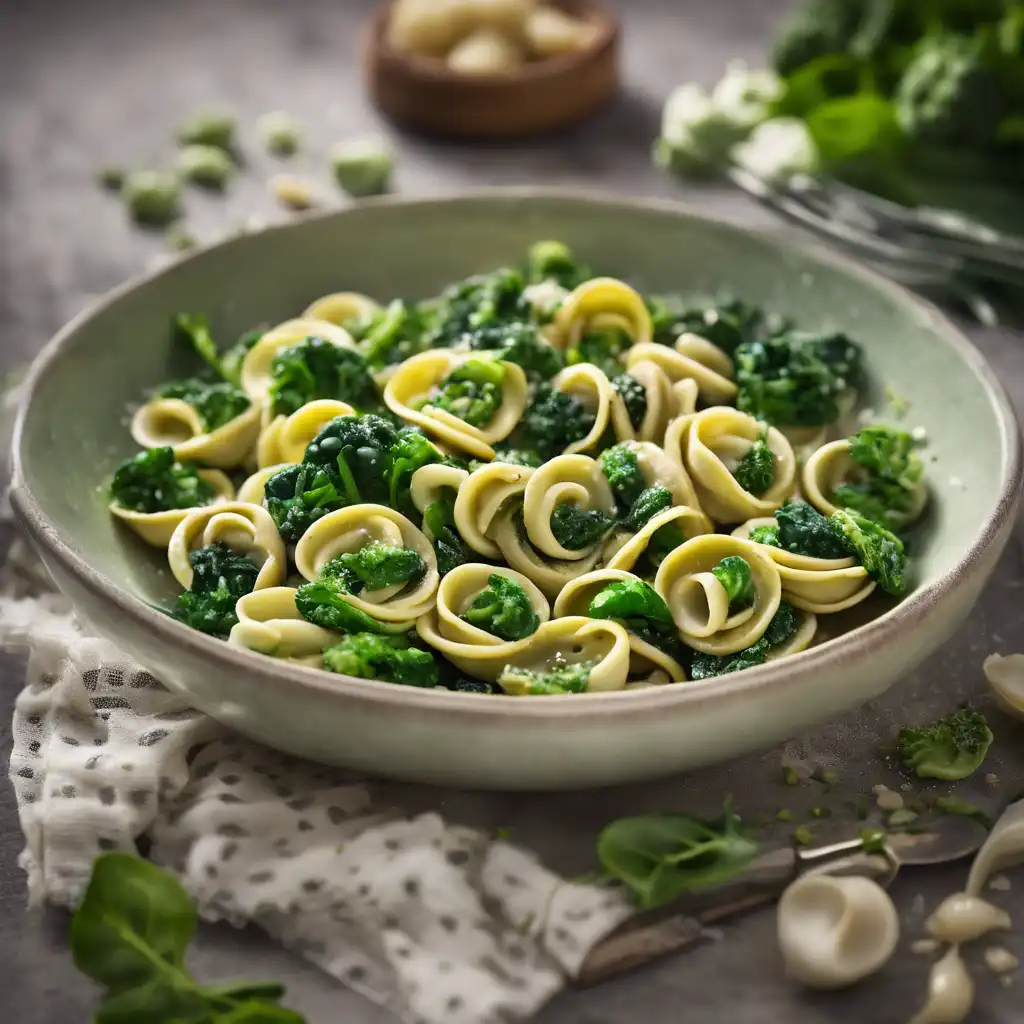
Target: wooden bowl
422,93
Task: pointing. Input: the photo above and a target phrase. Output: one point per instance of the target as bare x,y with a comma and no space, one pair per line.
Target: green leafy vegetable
323,602
621,468
890,473
521,343
755,472
231,361
803,530
391,335
951,748
392,659
411,451
152,197
634,397
559,679
503,609
554,420
472,391
796,380
554,261
876,548
766,535
576,528
733,572
641,609
219,578
782,627
374,567
130,934
661,856
154,481
649,503
727,322
479,301
216,404
450,548
317,368
604,348
193,330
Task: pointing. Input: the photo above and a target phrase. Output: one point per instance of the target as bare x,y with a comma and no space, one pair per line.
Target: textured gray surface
103,81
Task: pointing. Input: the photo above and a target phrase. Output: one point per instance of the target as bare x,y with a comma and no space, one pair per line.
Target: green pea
152,197
208,128
111,178
361,167
205,165
281,134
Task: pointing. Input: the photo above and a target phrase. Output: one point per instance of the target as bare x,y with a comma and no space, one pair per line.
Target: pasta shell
284,438
269,622
603,301
713,387
485,493
340,307
171,422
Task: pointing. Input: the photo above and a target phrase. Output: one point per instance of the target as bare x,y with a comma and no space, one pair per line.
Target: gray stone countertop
89,82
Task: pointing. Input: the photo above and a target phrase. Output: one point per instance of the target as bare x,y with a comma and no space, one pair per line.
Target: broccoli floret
554,420
576,528
521,343
782,627
803,530
892,470
389,658
472,391
503,609
554,261
726,323
795,380
634,396
462,684
153,481
231,361
450,548
216,404
219,578
951,748
560,679
517,457
604,348
298,496
621,468
818,28
733,572
479,301
374,567
410,452
755,472
316,368
876,548
648,504
193,330
948,94
390,335
766,535
323,603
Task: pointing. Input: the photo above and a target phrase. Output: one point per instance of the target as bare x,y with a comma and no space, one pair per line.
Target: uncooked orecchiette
536,482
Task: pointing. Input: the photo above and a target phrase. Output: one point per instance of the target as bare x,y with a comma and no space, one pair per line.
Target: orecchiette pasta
173,423
440,474
409,392
156,528
349,530
245,529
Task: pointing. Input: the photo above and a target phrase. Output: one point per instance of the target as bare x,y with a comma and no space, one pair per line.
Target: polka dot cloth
441,923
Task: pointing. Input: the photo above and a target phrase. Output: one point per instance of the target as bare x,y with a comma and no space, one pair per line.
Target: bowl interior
75,426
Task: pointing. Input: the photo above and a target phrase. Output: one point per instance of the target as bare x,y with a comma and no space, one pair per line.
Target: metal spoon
652,935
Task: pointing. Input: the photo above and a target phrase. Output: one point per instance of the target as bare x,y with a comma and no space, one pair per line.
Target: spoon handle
644,940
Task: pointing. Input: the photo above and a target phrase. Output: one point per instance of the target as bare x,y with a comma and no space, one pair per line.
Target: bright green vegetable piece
410,452
209,166
755,472
634,397
208,128
576,528
482,300
521,343
361,167
216,404
790,776
281,134
621,467
642,610
891,472
803,836
733,572
152,197
554,261
472,391
559,679
450,548
782,627
815,29
876,548
231,360
389,658
604,348
193,330
649,503
661,856
316,368
220,577
374,567
803,530
951,748
391,335
323,602
503,609
554,420
154,481
766,535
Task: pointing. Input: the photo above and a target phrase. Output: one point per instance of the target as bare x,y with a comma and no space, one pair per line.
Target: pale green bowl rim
554,710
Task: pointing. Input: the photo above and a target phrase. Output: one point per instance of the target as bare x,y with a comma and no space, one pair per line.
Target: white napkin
442,924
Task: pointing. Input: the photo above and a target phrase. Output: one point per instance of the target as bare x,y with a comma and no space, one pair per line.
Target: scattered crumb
291,191
924,946
1000,960
955,481
790,776
803,836
991,779
919,434
999,883
887,799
